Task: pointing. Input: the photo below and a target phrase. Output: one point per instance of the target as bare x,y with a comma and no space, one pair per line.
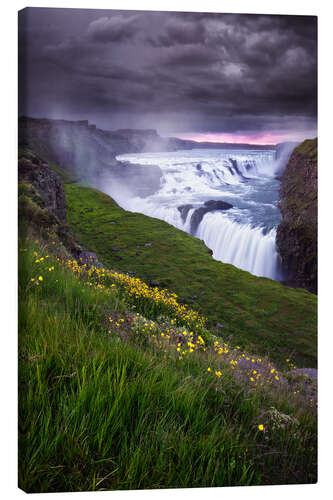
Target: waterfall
196,179
246,247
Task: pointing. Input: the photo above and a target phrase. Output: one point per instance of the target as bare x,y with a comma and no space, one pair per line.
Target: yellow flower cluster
178,329
173,338
138,293
257,370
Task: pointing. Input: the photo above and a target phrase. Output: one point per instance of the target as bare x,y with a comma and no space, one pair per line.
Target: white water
241,245
244,235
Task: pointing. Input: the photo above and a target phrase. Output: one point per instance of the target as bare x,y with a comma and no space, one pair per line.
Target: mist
283,152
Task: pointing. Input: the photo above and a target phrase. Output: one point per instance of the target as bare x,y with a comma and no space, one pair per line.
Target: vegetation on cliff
297,232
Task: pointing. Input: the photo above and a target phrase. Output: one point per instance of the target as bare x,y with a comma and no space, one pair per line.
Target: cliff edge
297,233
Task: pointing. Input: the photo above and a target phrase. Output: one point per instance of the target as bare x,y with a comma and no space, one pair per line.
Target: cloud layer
177,72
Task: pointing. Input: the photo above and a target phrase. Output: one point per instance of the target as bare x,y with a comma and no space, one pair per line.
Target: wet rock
209,206
235,166
184,210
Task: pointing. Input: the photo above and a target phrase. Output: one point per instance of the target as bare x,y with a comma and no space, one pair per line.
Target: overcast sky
202,76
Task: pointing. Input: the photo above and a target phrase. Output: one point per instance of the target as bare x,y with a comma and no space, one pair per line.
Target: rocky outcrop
42,208
184,210
297,233
197,216
209,206
33,171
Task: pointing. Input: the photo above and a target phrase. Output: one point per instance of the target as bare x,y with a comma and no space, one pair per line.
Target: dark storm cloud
189,55
180,31
177,72
113,29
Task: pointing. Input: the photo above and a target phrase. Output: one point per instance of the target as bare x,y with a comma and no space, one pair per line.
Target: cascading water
229,199
243,246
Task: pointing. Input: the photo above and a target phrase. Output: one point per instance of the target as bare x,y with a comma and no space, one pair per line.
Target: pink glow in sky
249,138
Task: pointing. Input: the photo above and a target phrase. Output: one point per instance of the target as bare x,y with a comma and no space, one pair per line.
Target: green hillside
257,313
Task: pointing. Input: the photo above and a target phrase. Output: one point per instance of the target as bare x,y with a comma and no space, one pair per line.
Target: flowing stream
194,185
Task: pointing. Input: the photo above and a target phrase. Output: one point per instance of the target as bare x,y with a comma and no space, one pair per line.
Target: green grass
257,313
97,412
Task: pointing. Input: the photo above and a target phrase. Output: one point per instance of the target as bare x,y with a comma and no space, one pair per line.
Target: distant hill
122,140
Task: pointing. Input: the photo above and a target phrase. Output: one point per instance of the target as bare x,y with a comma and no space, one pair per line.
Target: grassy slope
97,413
257,313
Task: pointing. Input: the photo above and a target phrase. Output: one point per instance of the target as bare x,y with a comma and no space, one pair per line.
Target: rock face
297,233
47,183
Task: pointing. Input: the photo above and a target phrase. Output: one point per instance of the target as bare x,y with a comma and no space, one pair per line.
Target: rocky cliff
297,232
42,206
47,185
88,154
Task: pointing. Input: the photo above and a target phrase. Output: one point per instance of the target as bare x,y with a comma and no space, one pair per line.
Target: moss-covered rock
297,232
